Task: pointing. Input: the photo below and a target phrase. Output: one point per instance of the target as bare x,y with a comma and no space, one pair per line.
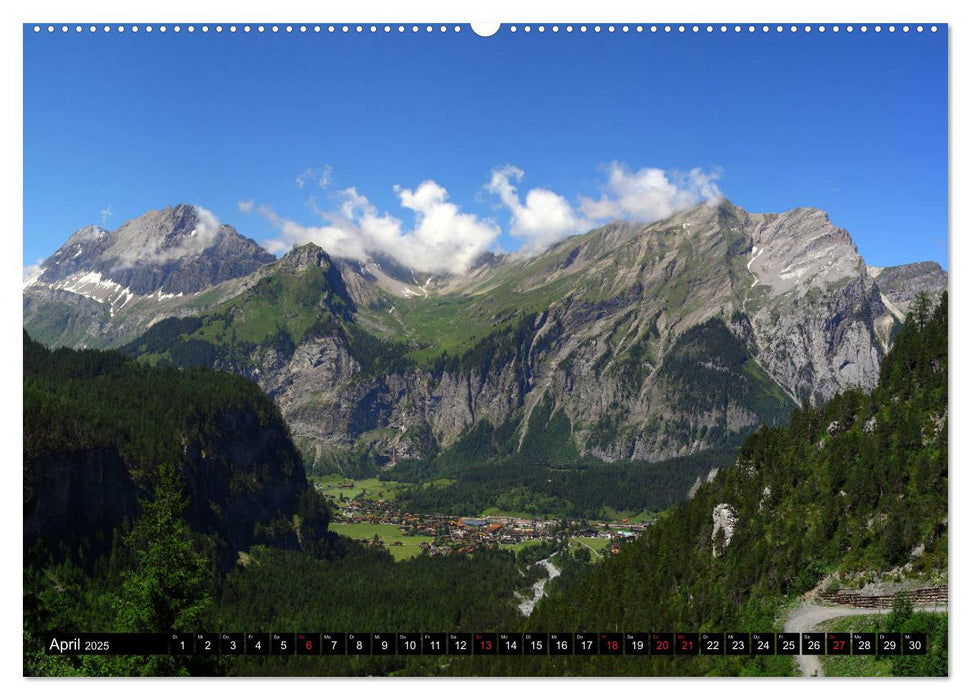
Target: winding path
806,617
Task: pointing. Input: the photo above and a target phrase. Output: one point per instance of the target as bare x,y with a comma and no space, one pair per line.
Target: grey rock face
902,283
817,317
724,519
799,250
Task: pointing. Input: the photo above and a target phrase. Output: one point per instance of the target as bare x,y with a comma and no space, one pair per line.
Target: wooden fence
918,597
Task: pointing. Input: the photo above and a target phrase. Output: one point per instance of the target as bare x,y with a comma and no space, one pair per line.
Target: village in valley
367,511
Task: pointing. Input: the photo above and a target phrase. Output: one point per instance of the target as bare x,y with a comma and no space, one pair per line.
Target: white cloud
340,238
31,273
323,179
207,227
443,238
302,178
106,214
319,176
650,194
245,206
543,218
442,231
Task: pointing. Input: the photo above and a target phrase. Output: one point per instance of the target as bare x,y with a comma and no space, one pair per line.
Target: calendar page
437,349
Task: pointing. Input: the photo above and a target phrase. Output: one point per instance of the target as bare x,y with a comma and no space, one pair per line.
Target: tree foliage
167,588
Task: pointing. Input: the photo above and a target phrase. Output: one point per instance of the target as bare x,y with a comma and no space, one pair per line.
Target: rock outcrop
724,519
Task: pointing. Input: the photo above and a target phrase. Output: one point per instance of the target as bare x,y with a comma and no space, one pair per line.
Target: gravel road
806,617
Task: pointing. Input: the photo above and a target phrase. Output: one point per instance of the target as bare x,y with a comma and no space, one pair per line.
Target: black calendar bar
489,643
611,644
637,644
737,644
383,644
182,643
459,644
787,643
308,643
408,643
485,644
838,643
232,643
433,643
662,643
864,644
207,644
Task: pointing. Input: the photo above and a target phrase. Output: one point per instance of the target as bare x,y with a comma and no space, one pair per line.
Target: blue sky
436,146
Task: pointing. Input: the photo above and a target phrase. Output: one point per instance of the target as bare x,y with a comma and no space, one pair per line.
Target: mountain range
632,341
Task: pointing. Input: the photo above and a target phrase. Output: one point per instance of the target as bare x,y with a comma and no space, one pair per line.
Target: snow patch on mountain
92,285
33,276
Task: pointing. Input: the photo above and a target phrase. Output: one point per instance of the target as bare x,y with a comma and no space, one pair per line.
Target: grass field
645,516
364,489
330,486
388,534
493,511
596,544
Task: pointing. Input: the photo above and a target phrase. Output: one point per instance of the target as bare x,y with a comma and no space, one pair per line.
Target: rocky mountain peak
88,233
166,234
180,249
705,213
800,249
305,257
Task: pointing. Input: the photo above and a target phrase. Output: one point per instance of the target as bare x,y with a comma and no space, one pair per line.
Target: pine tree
167,588
921,309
